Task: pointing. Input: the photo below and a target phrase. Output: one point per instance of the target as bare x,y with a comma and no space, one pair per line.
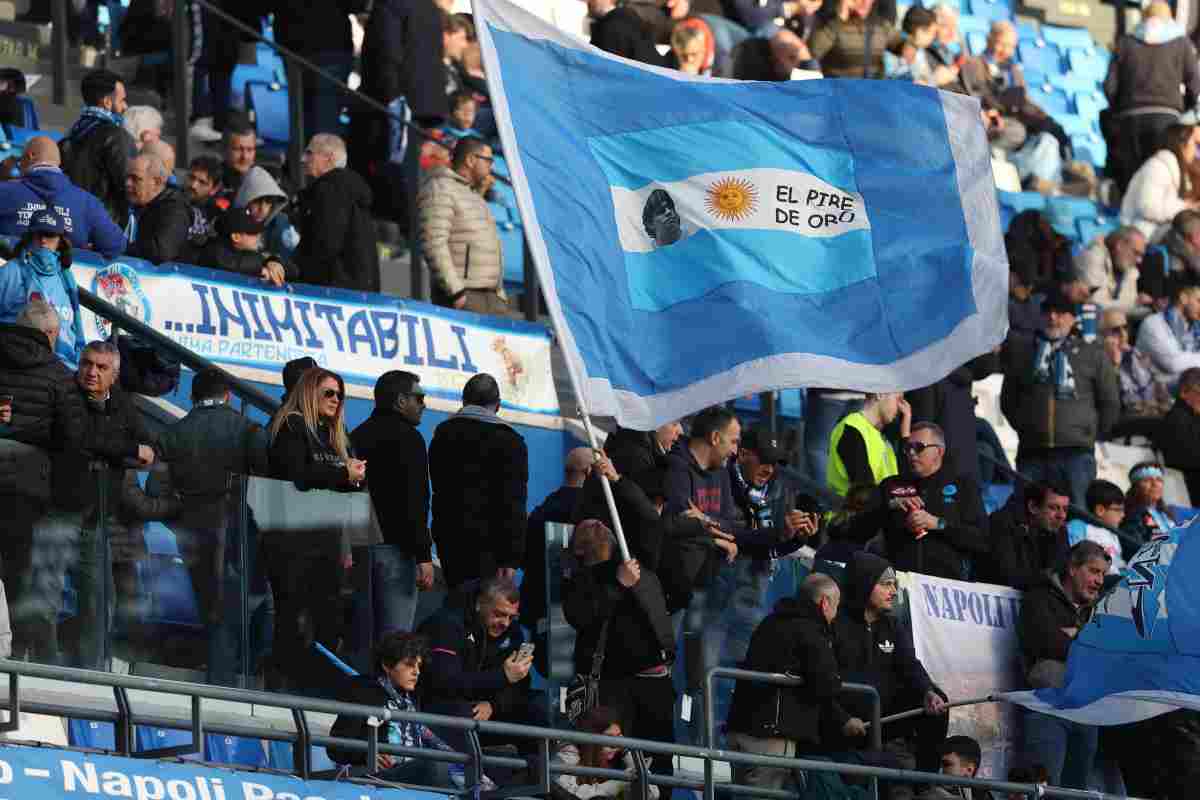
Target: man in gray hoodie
266,200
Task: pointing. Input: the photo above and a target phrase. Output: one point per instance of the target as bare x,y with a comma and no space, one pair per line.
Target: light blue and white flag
1140,654
701,239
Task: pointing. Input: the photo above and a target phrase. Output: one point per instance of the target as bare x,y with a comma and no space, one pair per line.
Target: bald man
44,185
162,216
558,506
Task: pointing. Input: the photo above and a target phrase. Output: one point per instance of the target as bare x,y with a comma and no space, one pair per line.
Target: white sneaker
202,130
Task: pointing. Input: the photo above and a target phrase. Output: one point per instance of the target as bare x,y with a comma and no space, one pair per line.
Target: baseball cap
1056,300
761,440
47,221
239,220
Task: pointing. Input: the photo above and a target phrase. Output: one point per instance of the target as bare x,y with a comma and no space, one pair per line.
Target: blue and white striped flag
701,239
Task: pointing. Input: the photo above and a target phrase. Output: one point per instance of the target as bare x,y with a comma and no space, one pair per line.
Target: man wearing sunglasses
932,519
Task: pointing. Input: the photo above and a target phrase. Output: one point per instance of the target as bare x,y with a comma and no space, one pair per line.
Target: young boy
463,109
910,61
1107,502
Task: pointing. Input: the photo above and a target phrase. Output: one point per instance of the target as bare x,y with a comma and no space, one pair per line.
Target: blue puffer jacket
88,223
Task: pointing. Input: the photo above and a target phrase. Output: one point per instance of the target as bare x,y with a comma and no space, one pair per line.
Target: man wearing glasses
932,519
458,233
393,445
1109,267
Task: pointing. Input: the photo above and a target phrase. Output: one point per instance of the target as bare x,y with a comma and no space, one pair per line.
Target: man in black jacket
209,452
97,149
633,452
872,648
163,216
796,639
624,635
932,519
46,414
391,443
1053,612
234,248
476,666
1028,536
1180,430
337,232
479,468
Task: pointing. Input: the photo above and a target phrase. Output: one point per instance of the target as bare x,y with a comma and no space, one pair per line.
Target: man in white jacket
1172,337
1109,268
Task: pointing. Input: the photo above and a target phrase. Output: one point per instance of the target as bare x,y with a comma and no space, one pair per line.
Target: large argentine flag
1140,655
701,239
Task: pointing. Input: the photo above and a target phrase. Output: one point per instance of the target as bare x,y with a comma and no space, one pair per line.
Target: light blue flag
1140,654
701,239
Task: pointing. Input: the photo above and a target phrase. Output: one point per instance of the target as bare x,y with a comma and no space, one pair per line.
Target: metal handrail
472,728
243,389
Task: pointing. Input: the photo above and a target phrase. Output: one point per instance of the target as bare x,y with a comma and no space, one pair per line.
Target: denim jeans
389,601
1074,467
821,416
1039,157
1066,749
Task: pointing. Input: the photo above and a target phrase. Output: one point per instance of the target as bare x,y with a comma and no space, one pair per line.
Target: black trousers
646,707
304,572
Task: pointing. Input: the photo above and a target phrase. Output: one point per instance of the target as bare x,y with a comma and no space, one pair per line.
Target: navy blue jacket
88,223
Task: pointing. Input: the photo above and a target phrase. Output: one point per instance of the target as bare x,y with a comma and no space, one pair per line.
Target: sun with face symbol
731,199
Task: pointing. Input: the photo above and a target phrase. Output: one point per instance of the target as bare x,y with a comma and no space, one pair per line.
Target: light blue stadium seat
1022,201
1066,38
89,733
976,42
1089,104
991,9
1071,83
1042,58
1064,212
29,110
995,495
1090,148
168,585
160,540
1074,125
1053,101
269,102
512,245
1089,228
147,737
968,23
1088,62
1035,77
235,750
1027,29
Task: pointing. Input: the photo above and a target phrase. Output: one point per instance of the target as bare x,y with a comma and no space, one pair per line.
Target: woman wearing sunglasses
310,448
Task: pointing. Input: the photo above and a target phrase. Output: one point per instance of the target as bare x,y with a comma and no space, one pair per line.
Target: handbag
583,694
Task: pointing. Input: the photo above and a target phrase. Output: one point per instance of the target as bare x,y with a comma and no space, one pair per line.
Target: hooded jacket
479,469
1148,67
34,273
337,233
87,221
96,161
465,664
279,236
881,653
794,640
46,408
459,235
1045,421
162,227
1045,611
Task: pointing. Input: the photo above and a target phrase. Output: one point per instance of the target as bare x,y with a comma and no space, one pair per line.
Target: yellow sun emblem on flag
731,199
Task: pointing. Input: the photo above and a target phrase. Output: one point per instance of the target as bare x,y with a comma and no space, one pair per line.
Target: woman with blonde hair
310,448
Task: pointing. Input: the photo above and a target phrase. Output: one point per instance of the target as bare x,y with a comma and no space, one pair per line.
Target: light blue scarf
89,118
1051,365
1186,333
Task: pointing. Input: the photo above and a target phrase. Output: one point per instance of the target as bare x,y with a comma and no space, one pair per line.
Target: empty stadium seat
1040,57
971,24
1022,201
1027,29
1091,148
1091,227
160,540
29,109
991,9
269,102
1089,104
976,42
1035,77
1066,38
243,74
1088,62
1075,125
166,583
1071,83
89,733
235,750
1053,101
1064,212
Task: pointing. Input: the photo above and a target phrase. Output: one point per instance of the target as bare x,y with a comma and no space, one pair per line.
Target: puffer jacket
1041,419
459,235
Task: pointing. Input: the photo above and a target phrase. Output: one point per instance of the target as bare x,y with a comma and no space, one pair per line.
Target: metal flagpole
916,712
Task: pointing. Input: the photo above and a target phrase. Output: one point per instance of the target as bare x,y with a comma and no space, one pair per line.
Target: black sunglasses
919,447
329,394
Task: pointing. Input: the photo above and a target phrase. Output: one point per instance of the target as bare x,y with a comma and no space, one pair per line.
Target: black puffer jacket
97,163
337,233
880,654
794,640
46,408
162,228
